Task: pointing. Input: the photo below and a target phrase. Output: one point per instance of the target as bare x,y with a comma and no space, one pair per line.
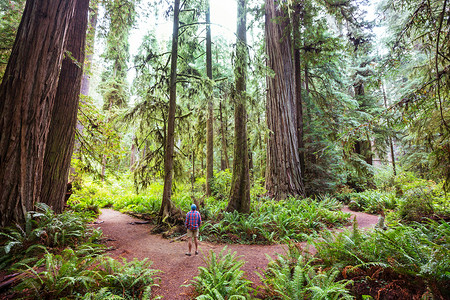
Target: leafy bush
220,184
274,221
372,201
56,276
293,276
85,272
133,280
421,251
222,278
45,229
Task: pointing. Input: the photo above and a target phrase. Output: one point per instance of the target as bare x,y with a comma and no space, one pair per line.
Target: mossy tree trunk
240,182
168,209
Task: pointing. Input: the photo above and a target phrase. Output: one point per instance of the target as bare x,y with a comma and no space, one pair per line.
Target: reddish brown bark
298,83
240,182
283,174
27,96
61,136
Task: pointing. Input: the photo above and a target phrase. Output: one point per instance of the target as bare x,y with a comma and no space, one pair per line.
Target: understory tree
417,79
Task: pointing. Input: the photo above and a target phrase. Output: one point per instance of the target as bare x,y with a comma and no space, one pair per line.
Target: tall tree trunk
283,175
210,121
90,39
27,95
298,83
240,182
225,162
391,143
61,136
167,207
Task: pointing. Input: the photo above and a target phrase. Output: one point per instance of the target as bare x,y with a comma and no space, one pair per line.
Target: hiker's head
193,207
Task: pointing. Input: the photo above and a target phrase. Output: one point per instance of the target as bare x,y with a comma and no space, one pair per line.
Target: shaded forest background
306,101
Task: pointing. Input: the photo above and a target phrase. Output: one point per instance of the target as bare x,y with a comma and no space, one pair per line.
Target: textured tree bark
240,182
210,121
61,136
167,207
27,96
283,174
225,162
298,82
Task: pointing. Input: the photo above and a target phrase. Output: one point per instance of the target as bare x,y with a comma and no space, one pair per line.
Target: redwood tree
61,136
283,174
240,182
27,96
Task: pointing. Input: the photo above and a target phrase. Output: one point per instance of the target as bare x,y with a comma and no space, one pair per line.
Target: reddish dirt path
135,241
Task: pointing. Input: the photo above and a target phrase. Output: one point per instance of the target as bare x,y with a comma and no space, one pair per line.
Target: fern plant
133,280
295,276
222,278
56,276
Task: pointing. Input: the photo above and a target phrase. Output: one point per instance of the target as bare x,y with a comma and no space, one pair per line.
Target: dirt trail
135,241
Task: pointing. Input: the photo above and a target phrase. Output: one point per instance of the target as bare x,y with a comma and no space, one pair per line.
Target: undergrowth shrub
274,221
294,276
43,229
133,280
222,277
372,201
420,251
87,274
58,275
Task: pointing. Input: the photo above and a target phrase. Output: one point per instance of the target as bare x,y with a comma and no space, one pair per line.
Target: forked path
136,241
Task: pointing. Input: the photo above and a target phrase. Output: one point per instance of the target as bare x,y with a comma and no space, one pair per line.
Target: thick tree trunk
27,96
298,84
61,136
240,182
225,162
167,207
283,175
210,121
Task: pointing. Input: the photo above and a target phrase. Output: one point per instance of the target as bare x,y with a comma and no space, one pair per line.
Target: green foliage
99,142
44,229
420,251
56,276
220,184
133,280
222,278
84,273
10,15
273,221
293,276
372,201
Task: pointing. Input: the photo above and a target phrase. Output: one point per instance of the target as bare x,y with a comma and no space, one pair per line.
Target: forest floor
136,241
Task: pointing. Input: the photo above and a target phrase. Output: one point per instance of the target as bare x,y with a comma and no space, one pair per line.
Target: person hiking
193,222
